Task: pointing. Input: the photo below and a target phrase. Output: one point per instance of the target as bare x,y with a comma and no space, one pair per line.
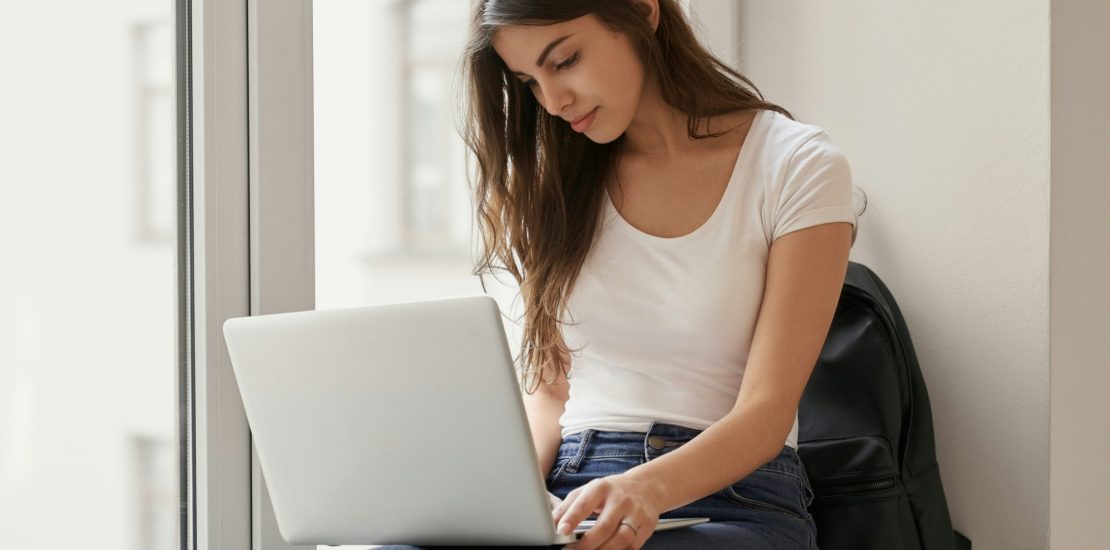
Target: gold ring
634,532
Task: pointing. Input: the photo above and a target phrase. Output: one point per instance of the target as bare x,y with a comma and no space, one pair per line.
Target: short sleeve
816,188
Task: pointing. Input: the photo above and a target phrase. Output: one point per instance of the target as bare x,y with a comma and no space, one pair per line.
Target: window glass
88,284
393,211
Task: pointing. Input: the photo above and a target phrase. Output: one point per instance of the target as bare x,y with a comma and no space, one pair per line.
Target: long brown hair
538,186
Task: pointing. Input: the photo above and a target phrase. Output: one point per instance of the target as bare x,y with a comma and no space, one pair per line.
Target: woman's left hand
616,498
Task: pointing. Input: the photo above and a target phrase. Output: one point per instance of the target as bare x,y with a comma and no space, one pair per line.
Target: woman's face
583,68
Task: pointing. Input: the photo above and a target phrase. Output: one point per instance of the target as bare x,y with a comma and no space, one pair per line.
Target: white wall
1080,442
717,25
943,111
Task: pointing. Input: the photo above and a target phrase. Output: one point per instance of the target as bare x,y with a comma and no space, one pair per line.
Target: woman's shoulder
781,136
784,129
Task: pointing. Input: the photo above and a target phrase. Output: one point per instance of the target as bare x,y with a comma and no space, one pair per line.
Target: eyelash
564,65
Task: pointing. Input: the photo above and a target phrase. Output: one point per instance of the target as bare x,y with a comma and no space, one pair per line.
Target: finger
622,539
561,509
644,533
586,503
608,533
626,537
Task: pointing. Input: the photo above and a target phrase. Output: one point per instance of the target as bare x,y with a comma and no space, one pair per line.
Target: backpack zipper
857,487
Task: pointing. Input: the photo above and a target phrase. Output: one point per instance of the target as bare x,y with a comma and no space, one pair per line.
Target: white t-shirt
666,324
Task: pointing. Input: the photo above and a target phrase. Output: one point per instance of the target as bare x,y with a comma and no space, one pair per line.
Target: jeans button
656,442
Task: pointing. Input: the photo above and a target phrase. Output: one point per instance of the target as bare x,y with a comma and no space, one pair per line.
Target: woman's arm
544,408
805,275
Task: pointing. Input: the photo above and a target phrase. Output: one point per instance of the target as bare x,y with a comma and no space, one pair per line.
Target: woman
674,234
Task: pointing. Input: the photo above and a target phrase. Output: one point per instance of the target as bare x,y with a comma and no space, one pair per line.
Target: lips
581,118
583,122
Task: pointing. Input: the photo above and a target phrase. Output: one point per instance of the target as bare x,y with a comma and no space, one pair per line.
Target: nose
556,98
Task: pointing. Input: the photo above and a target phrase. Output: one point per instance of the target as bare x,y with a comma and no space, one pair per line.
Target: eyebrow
546,50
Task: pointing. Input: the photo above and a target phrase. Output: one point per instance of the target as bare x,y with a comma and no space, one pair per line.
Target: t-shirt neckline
713,219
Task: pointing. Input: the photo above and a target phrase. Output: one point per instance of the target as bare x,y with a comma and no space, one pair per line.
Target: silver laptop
394,424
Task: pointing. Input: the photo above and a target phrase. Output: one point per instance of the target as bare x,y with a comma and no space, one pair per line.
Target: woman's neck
660,130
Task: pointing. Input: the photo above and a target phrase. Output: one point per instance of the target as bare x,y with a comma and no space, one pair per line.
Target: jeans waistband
661,438
590,443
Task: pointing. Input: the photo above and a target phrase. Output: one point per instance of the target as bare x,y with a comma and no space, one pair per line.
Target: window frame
217,84
253,250
282,210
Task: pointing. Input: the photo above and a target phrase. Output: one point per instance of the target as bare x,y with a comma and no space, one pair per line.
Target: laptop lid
399,423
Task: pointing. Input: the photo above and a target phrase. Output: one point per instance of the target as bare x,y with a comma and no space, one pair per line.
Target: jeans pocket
808,491
557,470
770,491
803,478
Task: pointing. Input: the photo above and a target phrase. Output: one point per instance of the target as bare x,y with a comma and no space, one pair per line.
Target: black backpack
865,432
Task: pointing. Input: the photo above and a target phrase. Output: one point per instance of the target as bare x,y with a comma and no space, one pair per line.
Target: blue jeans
767,510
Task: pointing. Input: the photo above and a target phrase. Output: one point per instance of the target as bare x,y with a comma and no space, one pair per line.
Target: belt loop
572,465
647,436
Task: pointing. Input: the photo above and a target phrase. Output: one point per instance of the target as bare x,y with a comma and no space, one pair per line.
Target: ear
650,10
